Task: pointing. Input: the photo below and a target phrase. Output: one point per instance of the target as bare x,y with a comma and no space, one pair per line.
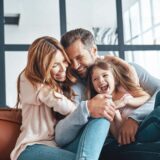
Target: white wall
37,18
14,63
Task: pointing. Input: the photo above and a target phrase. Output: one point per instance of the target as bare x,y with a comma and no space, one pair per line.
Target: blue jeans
147,145
87,145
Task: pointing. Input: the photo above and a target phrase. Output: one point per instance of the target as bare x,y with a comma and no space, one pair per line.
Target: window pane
157,35
148,37
131,20
138,20
137,40
97,16
146,14
127,27
37,18
156,13
135,20
149,60
14,63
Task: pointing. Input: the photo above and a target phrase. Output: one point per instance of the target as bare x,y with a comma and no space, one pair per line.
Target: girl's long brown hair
121,76
37,70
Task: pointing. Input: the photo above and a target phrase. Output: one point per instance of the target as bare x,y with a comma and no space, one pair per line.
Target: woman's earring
47,78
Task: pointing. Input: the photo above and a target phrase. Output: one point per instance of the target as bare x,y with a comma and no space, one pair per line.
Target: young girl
112,78
44,89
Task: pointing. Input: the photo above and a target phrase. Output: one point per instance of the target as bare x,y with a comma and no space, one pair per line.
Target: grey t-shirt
152,86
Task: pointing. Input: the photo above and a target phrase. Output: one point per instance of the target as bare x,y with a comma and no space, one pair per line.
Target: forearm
55,100
64,105
125,65
117,61
140,113
137,101
152,86
68,128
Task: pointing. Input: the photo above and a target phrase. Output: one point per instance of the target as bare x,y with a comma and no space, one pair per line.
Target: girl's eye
94,79
105,75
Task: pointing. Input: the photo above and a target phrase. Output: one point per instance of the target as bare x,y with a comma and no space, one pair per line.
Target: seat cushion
135,151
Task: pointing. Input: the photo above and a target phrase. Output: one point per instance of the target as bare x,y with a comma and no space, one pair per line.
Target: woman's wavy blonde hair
39,63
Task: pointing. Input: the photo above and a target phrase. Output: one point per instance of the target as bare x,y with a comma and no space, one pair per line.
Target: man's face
80,57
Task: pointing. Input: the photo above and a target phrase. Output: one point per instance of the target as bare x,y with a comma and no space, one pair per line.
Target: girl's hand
123,101
119,103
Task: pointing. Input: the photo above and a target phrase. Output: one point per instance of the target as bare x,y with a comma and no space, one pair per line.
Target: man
80,47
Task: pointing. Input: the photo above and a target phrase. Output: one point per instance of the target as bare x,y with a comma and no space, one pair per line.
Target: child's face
103,81
59,67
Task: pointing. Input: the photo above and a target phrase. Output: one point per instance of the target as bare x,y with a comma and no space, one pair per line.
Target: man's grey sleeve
68,128
152,86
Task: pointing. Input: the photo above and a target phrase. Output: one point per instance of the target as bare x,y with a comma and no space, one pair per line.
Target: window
127,28
142,27
90,15
150,60
44,21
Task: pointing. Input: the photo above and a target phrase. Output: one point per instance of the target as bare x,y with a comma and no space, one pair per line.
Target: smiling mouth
104,89
61,76
81,70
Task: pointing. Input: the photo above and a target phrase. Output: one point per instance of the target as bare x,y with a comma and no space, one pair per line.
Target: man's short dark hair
85,36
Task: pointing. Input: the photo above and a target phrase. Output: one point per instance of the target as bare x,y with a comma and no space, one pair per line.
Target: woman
44,89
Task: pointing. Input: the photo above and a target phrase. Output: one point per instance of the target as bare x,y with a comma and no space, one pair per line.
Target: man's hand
128,131
102,106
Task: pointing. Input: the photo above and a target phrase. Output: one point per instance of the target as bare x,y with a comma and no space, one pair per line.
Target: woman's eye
105,75
55,65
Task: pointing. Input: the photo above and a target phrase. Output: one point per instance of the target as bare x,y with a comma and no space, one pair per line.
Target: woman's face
59,67
103,81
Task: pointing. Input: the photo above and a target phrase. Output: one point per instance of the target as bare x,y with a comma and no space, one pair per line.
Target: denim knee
92,139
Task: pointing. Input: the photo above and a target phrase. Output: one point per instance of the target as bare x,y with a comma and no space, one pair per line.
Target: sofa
10,122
